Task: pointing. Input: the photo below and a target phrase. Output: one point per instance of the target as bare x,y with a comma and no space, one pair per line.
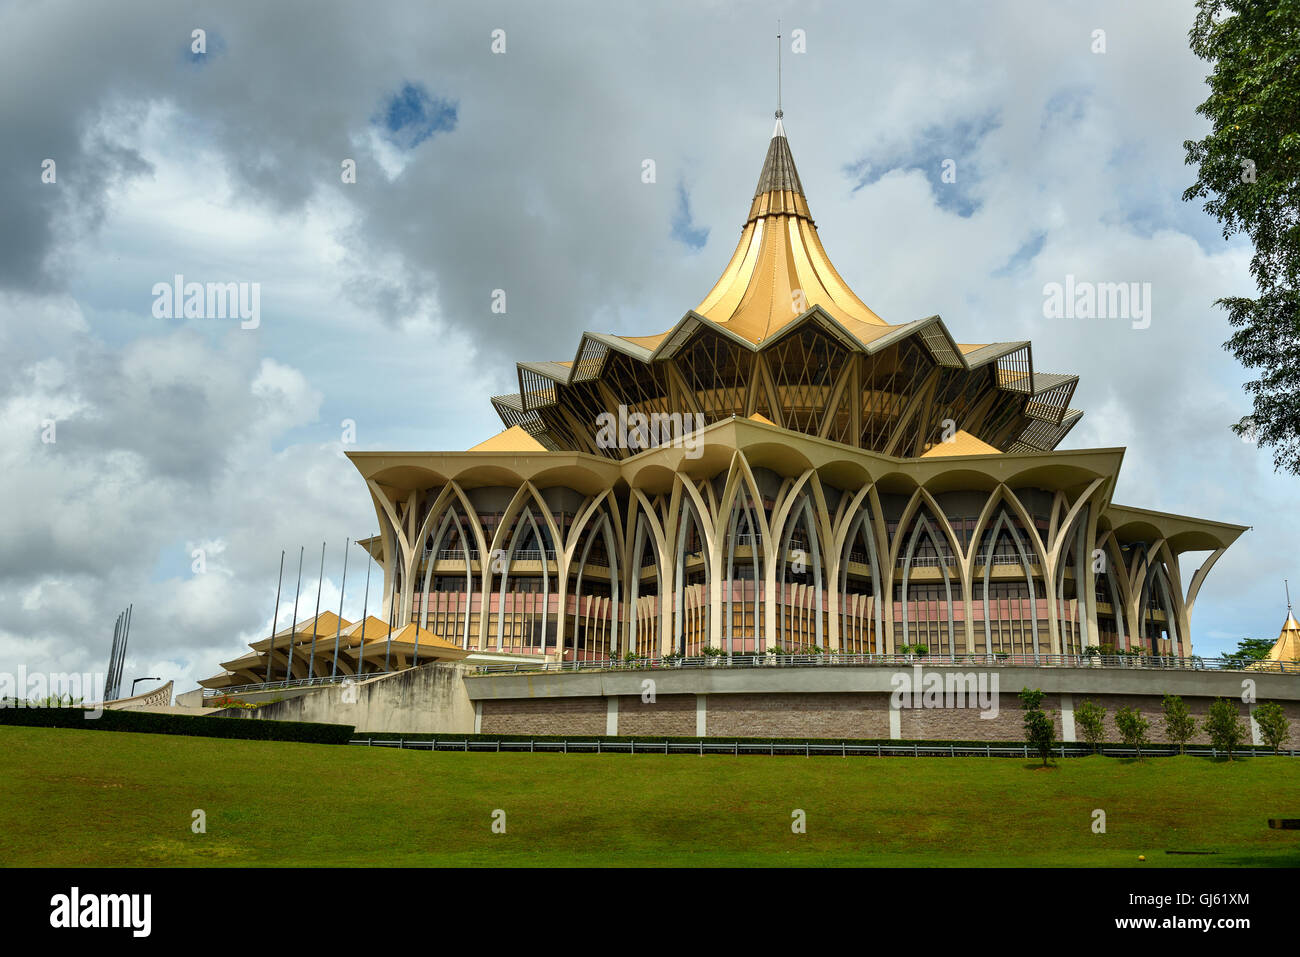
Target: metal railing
827,659
289,683
839,660
773,748
928,561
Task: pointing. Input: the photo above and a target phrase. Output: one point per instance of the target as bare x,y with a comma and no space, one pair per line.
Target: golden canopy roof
779,267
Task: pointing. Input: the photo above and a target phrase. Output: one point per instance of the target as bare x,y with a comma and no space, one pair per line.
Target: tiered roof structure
782,337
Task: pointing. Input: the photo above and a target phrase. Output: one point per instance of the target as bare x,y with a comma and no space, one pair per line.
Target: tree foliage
1250,649
1223,725
1090,718
1249,177
1133,727
1039,730
1180,726
1273,725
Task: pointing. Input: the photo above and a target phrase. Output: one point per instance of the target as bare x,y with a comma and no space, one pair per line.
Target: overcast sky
522,171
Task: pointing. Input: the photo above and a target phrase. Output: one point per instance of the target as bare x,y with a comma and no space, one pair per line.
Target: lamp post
137,681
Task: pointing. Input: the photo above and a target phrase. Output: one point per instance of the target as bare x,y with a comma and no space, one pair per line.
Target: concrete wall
836,702
825,715
431,697
190,699
551,716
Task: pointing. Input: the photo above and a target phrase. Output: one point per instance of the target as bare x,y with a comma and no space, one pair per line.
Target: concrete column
478,717
611,715
1089,585
701,715
1255,737
1067,719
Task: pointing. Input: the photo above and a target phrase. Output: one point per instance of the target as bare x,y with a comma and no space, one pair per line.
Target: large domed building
781,470
784,469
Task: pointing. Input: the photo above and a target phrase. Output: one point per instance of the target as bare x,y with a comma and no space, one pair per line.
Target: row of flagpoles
117,654
293,628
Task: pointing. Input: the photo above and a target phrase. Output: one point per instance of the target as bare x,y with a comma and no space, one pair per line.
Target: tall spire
779,269
779,173
779,112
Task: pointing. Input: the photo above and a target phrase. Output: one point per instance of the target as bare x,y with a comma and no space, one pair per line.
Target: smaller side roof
962,443
513,439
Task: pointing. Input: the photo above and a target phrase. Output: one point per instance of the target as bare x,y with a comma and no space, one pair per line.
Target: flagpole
121,652
392,613
293,629
334,672
365,606
275,619
112,656
320,580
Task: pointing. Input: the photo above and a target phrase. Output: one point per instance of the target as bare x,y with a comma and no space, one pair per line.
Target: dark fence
806,747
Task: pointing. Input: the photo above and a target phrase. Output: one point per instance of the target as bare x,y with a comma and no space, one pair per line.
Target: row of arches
748,561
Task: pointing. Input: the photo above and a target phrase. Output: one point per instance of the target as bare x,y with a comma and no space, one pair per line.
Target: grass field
88,798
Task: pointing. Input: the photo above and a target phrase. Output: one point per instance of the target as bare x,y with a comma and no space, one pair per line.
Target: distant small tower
1287,646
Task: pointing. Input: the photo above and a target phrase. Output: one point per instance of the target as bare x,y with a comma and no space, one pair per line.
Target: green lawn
91,798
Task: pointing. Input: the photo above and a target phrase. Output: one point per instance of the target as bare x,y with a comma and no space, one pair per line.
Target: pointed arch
854,614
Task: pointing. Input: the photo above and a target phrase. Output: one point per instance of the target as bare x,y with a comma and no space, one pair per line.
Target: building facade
783,470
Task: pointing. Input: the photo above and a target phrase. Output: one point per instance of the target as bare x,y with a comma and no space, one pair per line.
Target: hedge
192,725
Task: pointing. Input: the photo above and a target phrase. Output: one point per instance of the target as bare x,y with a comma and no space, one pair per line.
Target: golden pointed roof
779,269
1287,646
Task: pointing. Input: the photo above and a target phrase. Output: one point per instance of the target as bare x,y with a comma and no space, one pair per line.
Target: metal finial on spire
1286,584
779,112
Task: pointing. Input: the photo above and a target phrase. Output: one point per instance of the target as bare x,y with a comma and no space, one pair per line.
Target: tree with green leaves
1180,726
1223,725
1250,650
1090,719
1133,727
1248,169
1039,730
1273,725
